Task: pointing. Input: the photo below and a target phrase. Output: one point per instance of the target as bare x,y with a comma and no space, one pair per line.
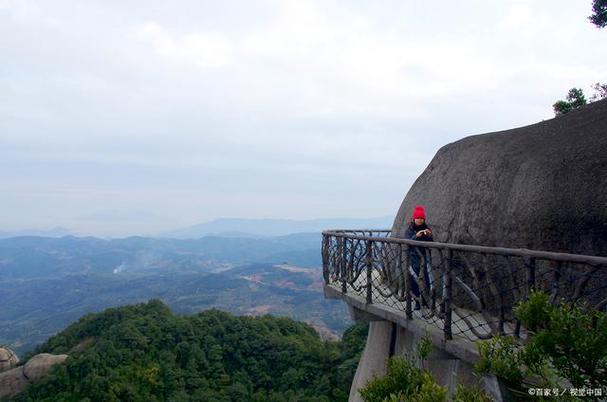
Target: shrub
407,383
568,345
465,394
402,380
501,356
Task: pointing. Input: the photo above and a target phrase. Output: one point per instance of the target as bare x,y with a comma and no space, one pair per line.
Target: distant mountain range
245,266
48,283
230,227
234,227
35,257
55,232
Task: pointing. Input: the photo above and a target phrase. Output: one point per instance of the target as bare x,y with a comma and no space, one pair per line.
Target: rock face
8,359
39,365
543,186
15,380
12,382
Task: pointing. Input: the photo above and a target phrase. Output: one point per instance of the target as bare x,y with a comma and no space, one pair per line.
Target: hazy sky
123,117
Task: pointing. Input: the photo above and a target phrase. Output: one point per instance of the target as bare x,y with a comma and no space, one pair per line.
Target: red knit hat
419,212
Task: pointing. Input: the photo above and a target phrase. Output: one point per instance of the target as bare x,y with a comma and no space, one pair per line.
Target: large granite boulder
12,382
543,186
15,380
39,365
8,359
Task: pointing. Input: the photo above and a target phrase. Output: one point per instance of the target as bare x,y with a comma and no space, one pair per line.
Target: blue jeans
416,260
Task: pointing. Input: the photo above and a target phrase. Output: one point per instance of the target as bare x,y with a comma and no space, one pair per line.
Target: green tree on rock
599,13
575,99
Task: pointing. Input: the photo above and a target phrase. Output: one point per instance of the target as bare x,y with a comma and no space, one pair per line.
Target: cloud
28,12
203,50
518,16
296,108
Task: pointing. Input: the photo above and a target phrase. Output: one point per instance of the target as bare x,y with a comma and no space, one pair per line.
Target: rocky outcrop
8,359
39,365
15,380
543,186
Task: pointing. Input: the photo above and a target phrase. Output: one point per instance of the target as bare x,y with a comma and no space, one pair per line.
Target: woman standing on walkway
419,230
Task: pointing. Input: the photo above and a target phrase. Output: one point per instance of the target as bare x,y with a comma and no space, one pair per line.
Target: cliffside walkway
456,293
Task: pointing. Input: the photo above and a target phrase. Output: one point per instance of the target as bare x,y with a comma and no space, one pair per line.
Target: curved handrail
519,252
469,289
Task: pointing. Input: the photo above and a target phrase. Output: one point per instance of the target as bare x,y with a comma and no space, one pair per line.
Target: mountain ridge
274,227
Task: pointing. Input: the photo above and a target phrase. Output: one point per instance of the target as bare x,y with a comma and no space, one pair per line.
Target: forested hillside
146,353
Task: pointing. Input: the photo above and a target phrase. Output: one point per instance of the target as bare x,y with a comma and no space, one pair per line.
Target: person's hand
428,232
420,233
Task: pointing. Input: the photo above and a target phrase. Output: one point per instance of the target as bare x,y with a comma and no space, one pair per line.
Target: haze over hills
34,257
49,283
274,227
223,227
54,232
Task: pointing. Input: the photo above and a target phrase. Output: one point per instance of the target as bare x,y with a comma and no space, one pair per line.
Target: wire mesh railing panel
572,282
486,289
468,291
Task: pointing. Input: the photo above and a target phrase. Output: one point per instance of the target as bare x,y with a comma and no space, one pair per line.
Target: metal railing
464,290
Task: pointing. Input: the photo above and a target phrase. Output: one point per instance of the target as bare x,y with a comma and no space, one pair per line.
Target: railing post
341,250
530,265
369,246
448,294
530,273
556,282
324,255
408,307
400,285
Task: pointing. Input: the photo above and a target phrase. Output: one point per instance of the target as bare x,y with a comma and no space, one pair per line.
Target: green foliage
575,99
402,380
145,353
569,343
561,107
535,312
573,339
429,391
424,348
500,356
465,394
599,13
406,383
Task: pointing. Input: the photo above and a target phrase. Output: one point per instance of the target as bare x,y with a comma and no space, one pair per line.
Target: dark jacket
413,229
